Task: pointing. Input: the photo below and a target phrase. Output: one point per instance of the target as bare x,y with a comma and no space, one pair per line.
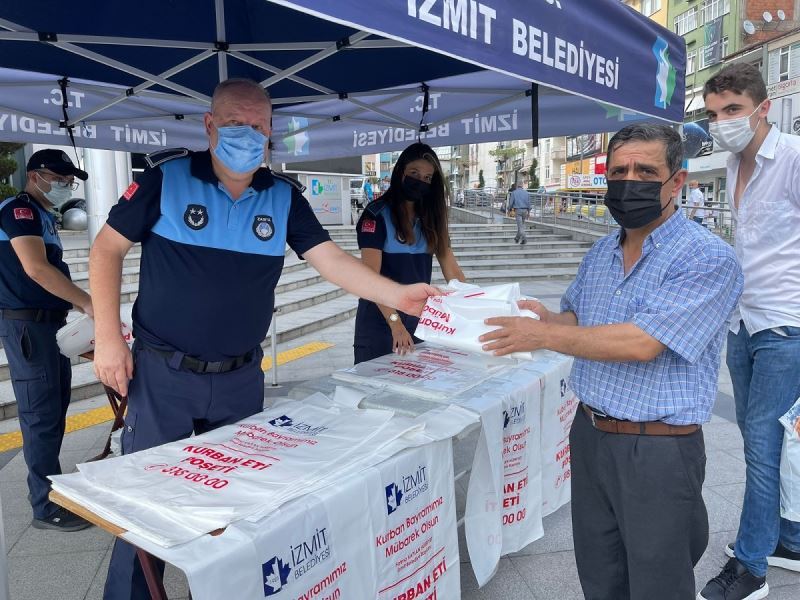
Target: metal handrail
582,210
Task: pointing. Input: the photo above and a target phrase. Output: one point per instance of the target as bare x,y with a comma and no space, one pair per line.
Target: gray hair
649,132
238,83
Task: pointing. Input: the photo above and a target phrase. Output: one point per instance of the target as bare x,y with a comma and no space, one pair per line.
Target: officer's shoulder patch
375,207
290,180
368,225
161,156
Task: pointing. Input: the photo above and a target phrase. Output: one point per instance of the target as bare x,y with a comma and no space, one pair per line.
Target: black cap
56,161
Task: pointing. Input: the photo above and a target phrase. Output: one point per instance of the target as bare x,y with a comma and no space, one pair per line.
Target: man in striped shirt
645,318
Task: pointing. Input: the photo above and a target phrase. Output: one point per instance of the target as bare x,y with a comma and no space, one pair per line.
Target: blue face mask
240,148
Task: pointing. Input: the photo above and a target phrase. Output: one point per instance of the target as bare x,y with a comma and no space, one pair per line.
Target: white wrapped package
248,468
77,336
456,320
790,464
429,372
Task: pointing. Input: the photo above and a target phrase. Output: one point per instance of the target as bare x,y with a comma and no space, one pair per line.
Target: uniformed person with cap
213,227
36,293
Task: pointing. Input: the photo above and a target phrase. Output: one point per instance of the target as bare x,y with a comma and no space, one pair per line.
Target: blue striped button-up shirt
681,292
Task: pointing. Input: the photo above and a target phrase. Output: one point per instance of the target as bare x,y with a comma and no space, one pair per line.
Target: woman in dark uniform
398,236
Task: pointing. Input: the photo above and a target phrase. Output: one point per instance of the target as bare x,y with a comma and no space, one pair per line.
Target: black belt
201,367
38,315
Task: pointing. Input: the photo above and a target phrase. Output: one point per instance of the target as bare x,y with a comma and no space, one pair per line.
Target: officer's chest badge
196,216
263,227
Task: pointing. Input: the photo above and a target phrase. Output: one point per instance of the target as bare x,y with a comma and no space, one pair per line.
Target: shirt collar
766,151
661,234
770,143
203,169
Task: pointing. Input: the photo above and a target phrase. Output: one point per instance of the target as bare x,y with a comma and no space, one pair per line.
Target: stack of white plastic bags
177,492
456,319
790,464
431,372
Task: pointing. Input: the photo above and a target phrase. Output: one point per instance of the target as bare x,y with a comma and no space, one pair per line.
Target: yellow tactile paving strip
295,354
13,440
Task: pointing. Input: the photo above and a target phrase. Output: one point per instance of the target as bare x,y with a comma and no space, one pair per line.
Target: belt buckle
213,367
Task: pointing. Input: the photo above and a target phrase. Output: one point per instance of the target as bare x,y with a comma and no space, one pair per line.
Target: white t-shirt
697,201
768,235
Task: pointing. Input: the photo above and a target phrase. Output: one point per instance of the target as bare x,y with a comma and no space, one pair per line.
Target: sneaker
735,582
523,242
62,520
782,558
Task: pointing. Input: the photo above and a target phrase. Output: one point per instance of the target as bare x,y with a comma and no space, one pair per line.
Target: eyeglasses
54,179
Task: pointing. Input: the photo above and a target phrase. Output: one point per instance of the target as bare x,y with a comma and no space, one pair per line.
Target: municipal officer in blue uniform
398,236
36,293
213,227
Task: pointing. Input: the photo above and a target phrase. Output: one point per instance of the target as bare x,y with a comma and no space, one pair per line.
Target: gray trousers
521,215
638,518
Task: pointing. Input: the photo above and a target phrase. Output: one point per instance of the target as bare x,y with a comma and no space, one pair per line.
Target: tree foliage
506,153
533,184
8,166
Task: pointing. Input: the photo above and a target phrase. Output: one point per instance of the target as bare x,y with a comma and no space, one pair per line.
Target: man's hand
515,334
537,307
412,298
86,308
113,363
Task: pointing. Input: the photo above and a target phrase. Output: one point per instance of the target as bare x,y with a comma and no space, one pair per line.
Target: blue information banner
599,49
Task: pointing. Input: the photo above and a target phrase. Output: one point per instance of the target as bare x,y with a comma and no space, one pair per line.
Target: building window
711,9
691,60
784,64
650,6
547,172
686,22
702,53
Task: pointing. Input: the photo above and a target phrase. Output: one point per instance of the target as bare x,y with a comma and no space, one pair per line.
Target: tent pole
315,58
273,69
535,114
142,86
222,55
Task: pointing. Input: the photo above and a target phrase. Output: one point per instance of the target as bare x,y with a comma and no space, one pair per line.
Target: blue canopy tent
140,77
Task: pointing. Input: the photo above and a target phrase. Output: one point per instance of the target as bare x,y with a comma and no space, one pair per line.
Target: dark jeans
638,517
164,405
41,377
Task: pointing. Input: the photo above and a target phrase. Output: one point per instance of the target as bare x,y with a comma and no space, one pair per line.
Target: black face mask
634,204
415,189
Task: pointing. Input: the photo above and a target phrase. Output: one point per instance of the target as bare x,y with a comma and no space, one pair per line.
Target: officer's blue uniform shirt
210,265
19,216
400,262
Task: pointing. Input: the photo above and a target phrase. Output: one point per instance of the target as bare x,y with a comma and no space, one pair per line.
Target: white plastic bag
790,464
77,336
456,320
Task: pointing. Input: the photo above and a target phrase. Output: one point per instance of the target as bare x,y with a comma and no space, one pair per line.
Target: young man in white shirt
764,339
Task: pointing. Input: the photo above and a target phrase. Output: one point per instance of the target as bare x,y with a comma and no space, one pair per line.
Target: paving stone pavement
58,566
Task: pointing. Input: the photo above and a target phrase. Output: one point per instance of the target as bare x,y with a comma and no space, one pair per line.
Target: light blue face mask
240,148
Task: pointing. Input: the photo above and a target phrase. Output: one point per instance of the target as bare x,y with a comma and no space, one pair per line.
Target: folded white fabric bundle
456,320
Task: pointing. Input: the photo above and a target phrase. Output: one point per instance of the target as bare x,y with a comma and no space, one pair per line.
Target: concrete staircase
306,303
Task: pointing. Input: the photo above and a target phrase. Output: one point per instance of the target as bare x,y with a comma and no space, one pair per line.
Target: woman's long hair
432,210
